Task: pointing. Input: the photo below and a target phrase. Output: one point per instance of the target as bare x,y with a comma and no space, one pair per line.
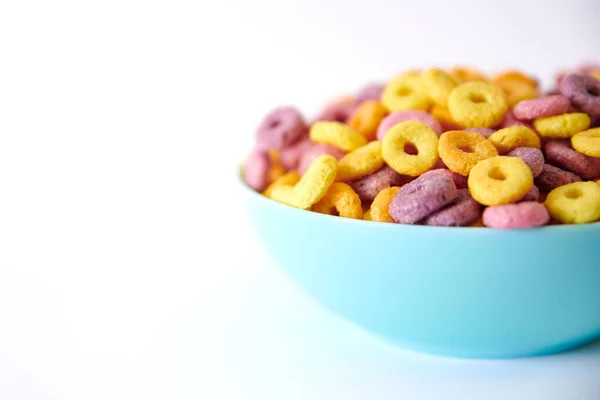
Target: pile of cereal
441,147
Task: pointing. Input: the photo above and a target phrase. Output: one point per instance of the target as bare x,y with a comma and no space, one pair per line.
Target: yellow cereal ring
288,179
461,150
500,180
367,215
315,182
381,204
575,203
587,142
443,115
367,117
336,134
360,162
477,104
562,126
438,84
463,74
422,137
282,194
405,93
508,139
340,200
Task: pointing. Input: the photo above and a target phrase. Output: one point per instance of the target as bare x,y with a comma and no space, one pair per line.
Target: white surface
120,121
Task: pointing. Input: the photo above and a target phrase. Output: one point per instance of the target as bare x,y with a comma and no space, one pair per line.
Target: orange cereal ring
438,84
463,74
360,162
414,133
500,180
367,117
508,139
461,151
514,76
315,182
288,179
381,204
562,126
516,91
277,168
405,92
595,74
443,116
340,200
477,104
336,134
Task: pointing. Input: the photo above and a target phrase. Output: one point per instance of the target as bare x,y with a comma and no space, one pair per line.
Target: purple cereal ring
422,197
315,151
460,181
462,212
371,91
336,112
553,177
256,170
541,107
290,156
369,186
532,195
280,128
583,91
560,153
529,214
413,115
485,132
534,158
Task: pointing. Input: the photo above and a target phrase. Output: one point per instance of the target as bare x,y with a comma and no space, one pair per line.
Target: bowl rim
592,226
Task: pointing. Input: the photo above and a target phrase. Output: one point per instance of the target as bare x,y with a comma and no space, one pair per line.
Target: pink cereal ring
524,215
371,91
534,158
510,120
422,197
547,106
280,128
462,212
413,115
560,152
369,186
336,112
290,156
315,151
485,132
553,177
256,170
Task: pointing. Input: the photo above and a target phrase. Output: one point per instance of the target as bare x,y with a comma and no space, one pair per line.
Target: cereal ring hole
497,174
274,124
466,149
403,91
593,91
411,149
573,193
477,98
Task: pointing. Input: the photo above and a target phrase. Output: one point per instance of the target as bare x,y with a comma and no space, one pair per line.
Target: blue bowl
463,292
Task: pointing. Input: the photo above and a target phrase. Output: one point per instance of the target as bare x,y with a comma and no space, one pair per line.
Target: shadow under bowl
462,292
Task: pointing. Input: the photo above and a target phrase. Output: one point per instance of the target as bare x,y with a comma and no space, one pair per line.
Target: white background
121,123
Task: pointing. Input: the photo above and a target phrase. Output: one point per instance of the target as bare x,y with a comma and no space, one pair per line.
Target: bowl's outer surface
465,292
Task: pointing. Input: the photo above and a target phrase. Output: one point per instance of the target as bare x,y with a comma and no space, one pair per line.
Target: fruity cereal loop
451,147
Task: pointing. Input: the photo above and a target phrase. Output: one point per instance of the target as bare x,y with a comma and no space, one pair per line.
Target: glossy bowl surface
464,292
